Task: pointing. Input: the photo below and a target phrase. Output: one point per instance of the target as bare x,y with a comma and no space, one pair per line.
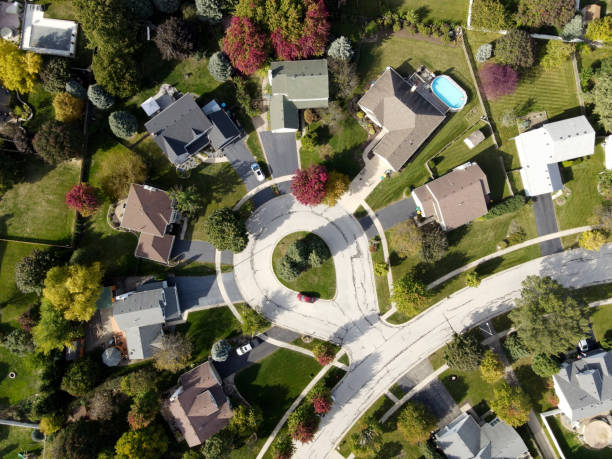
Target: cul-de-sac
314,229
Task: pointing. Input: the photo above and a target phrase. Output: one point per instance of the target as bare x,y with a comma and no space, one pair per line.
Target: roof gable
307,79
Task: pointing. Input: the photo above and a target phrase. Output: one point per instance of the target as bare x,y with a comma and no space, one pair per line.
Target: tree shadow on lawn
458,389
489,266
535,386
271,400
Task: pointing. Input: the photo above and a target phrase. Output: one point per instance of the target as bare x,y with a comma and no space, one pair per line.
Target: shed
474,139
591,12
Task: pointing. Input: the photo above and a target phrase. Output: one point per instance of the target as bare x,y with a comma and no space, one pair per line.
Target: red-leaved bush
304,432
312,39
498,80
245,45
82,197
324,353
321,404
308,185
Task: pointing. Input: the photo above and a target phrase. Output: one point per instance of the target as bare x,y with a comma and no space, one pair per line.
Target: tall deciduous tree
516,49
53,331
498,80
308,185
489,14
31,270
81,377
409,294
82,197
226,231
148,443
491,367
74,290
416,422
187,201
511,405
463,353
556,54
56,142
544,365
244,421
121,169
600,29
343,78
537,13
102,405
244,45
18,69
174,353
175,39
434,243
337,184
143,410
548,318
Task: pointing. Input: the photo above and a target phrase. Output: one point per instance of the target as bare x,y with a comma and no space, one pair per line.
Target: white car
244,349
257,171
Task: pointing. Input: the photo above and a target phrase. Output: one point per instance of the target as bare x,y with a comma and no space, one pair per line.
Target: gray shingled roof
301,79
283,113
223,129
142,341
586,386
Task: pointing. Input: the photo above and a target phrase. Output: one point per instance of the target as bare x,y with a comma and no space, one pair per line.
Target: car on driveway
306,298
244,349
257,171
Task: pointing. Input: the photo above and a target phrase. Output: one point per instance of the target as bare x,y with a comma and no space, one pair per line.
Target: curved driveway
380,353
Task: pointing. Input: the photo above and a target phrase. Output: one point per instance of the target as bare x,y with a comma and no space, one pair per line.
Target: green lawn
319,282
405,55
206,327
41,102
382,286
469,387
15,440
540,390
570,445
455,10
602,323
35,209
274,383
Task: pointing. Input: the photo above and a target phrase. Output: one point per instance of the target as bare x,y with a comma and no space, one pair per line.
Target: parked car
244,349
257,171
585,346
306,298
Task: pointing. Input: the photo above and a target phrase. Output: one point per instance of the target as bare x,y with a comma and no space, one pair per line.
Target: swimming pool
449,92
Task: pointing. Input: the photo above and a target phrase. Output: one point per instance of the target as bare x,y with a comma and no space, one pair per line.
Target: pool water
449,92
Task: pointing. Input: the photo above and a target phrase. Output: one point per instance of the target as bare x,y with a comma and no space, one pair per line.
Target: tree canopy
337,184
544,365
416,422
511,405
31,270
516,49
409,294
56,142
463,353
174,352
244,44
53,331
489,15
491,367
538,13
123,124
119,171
81,377
226,231
600,29
148,443
18,69
340,49
308,185
498,80
548,318
82,197
175,39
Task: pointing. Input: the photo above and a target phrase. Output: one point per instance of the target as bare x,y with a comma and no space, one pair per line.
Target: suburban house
406,110
456,198
584,387
149,211
541,149
465,439
296,85
182,129
199,408
47,36
141,314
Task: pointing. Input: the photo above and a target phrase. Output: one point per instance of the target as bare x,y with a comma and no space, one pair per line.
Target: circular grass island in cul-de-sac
302,262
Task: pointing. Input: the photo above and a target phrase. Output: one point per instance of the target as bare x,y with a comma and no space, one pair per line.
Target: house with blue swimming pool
409,110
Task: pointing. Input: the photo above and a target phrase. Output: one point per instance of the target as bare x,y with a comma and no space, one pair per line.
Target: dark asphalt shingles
546,223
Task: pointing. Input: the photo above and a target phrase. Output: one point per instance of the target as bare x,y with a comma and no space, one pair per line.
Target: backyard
15,440
570,445
454,10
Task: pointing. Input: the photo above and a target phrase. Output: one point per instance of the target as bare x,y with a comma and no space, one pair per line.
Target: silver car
257,171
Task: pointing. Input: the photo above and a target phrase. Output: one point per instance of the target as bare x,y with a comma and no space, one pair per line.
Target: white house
541,149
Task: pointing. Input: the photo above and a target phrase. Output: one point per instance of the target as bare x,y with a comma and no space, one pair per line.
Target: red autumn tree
245,45
82,197
303,423
311,39
320,396
324,353
308,185
498,80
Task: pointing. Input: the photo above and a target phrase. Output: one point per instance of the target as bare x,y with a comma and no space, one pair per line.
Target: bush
54,74
123,124
510,205
52,423
516,49
511,405
515,348
67,108
31,270
83,199
409,294
406,239
141,9
56,142
98,96
226,231
434,243
302,423
340,49
592,240
18,341
381,269
323,352
371,28
573,29
288,270
167,6
416,422
76,89
472,279
81,377
556,54
220,67
600,29
484,52
175,39
491,367
498,80
463,353
544,365
489,14
320,397
283,448
220,351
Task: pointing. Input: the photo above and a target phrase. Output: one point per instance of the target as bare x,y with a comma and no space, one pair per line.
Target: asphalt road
282,155
546,223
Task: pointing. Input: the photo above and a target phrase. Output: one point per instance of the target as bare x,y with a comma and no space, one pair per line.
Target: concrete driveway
201,292
546,223
281,152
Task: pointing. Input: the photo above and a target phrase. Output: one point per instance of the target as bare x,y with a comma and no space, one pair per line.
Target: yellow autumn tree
592,240
491,367
18,69
74,290
67,107
337,184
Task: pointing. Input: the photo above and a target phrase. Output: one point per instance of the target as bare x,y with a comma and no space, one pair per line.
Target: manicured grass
206,327
319,282
41,102
570,445
405,55
25,383
59,9
595,292
344,359
469,387
310,346
540,390
455,10
587,57
274,383
437,358
255,148
35,210
382,286
15,440
602,323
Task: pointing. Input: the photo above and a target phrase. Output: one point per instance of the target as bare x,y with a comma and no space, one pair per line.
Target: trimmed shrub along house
296,85
456,198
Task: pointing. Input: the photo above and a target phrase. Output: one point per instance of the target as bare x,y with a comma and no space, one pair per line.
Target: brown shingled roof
155,248
202,408
456,198
148,210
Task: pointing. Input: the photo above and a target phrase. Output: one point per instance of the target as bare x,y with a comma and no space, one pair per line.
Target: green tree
472,279
434,243
67,108
340,49
592,240
78,440
491,367
283,447
544,365
253,322
31,270
538,13
406,239
18,69
175,39
516,48
141,9
52,423
74,290
515,347
220,67
187,201
56,142
148,443
18,341
53,331
489,14
138,382
117,72
81,377
548,318
102,405
244,421
54,73
511,405
143,410
601,97
209,10
409,294
556,54
98,96
368,439
415,422
463,353
123,124
120,169
213,448
600,29
226,231
174,353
